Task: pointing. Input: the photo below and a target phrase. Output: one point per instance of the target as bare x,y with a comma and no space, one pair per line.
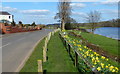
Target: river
111,32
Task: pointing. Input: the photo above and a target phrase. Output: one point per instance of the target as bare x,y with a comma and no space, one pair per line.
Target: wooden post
49,36
40,66
46,42
68,48
44,54
76,59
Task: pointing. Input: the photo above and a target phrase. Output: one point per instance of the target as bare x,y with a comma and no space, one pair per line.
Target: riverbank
108,44
110,32
89,51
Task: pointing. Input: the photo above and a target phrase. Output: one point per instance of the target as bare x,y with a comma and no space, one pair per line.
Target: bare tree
64,12
93,18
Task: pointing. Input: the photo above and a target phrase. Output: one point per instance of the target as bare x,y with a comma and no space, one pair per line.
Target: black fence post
76,59
69,49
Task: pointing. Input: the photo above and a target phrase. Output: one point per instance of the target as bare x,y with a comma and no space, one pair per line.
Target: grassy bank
31,64
58,58
86,27
108,44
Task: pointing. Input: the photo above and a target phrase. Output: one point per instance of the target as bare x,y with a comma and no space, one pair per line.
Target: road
16,48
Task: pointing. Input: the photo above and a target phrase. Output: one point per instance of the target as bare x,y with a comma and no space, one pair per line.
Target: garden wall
10,29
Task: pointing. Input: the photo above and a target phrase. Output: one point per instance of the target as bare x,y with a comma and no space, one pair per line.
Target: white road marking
13,34
12,42
5,45
20,39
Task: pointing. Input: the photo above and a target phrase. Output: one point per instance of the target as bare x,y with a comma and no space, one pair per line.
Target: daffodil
85,47
113,70
106,59
106,66
102,65
99,68
91,55
103,57
96,58
116,68
80,49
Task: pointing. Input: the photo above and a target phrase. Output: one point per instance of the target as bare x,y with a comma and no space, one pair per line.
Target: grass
108,44
86,27
31,64
58,58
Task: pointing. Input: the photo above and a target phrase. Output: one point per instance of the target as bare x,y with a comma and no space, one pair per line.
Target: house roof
4,13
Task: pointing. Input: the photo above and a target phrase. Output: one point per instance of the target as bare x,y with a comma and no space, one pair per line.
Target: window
9,17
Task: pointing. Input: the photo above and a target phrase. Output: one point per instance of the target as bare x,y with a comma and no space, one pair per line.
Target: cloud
111,1
9,9
109,11
35,12
56,0
27,12
108,2
78,14
48,0
77,5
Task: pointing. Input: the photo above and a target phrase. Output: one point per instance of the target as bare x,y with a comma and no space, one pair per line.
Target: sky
44,12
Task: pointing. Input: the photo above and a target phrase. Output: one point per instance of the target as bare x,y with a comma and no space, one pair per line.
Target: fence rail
45,48
77,54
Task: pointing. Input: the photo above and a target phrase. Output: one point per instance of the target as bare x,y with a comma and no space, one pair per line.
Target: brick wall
10,29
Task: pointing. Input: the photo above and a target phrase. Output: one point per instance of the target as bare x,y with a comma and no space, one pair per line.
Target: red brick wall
10,29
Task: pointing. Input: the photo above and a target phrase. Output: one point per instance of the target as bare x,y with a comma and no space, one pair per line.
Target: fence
76,56
47,38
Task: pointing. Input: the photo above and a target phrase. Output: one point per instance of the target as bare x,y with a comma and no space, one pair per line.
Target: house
5,16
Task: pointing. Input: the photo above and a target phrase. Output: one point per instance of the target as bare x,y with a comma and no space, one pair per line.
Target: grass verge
58,58
31,64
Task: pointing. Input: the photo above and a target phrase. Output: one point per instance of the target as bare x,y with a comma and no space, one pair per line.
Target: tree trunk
63,25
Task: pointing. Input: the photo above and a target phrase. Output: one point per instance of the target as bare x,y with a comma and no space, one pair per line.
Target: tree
13,23
93,18
20,23
64,13
27,25
33,24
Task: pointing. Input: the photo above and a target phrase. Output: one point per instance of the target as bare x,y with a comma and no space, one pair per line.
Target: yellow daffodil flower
99,68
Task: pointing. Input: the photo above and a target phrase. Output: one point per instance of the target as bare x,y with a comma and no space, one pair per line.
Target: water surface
111,32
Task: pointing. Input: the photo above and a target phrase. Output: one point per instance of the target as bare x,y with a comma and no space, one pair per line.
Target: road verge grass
58,58
31,64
